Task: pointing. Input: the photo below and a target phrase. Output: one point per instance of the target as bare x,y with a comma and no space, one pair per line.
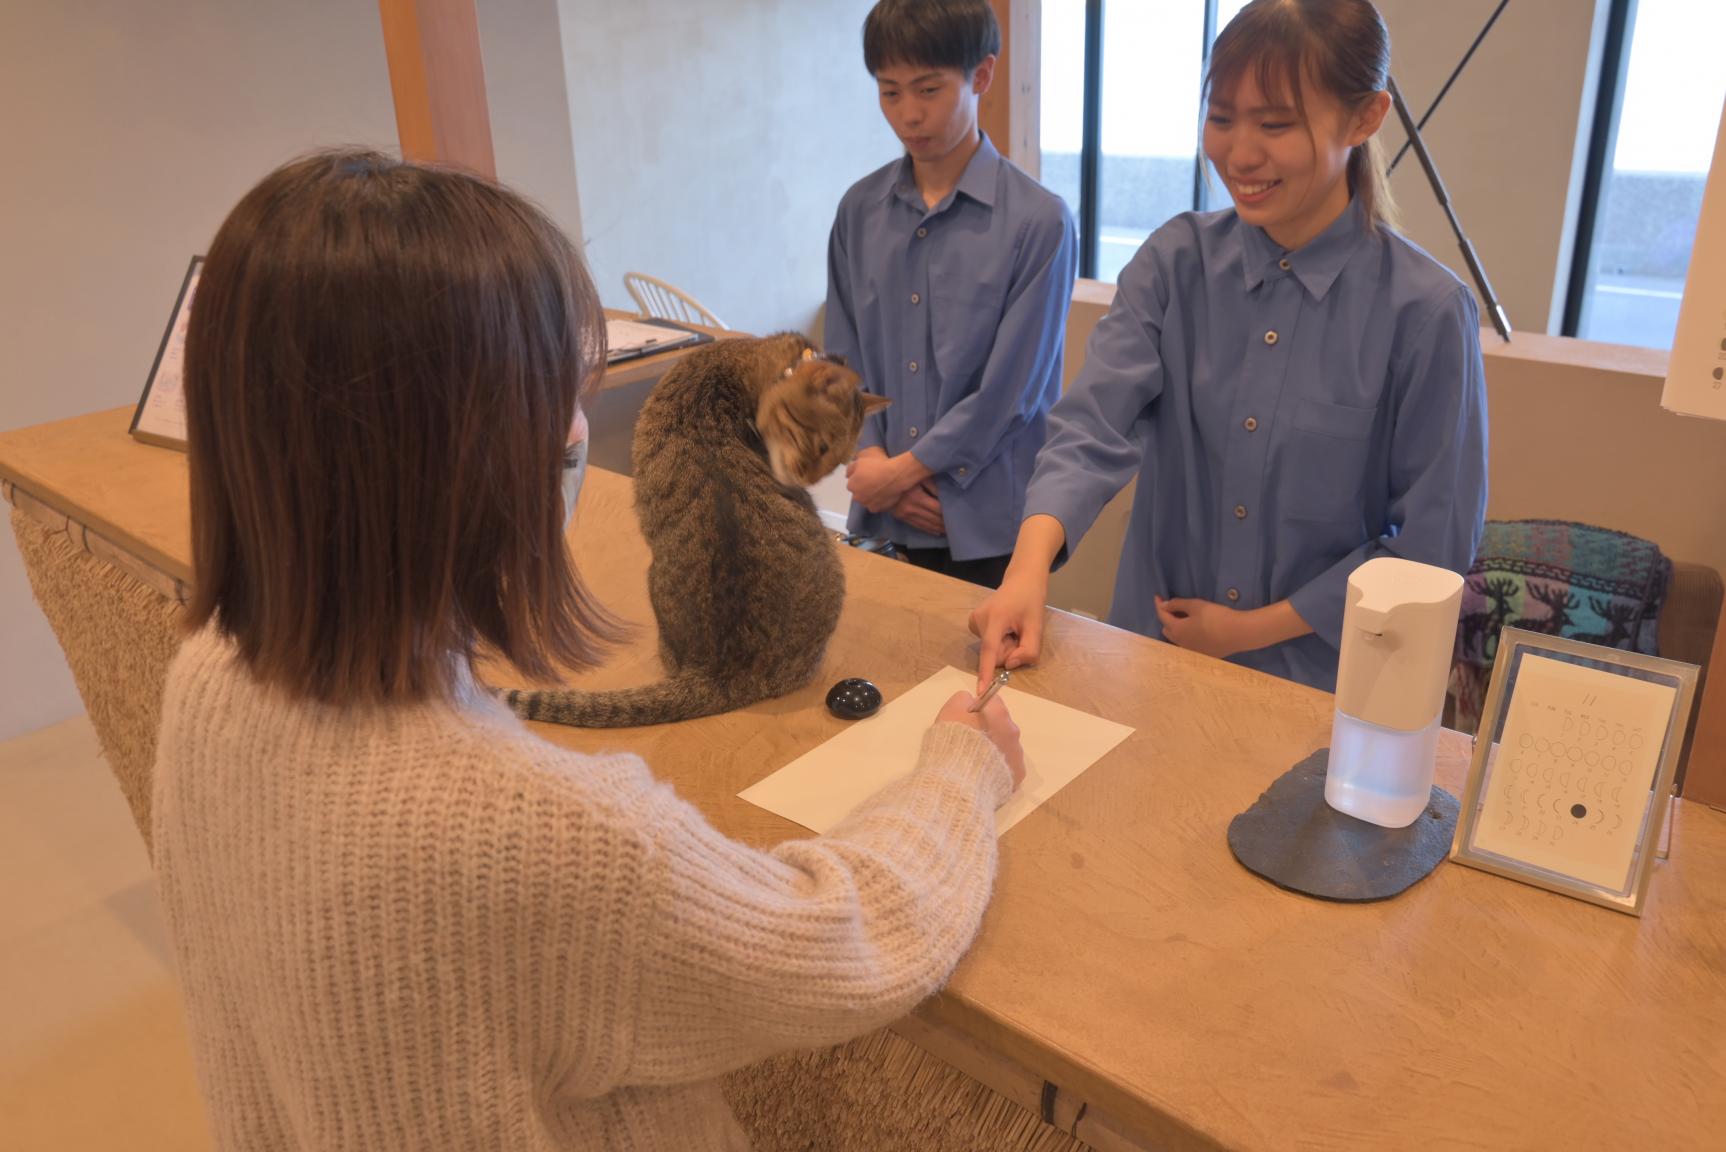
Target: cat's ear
872,403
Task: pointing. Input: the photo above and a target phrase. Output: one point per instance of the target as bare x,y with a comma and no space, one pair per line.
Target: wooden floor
93,1050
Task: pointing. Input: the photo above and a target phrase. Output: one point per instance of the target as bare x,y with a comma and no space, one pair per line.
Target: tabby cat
745,580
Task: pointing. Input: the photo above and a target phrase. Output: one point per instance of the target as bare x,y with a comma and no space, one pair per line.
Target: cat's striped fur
745,580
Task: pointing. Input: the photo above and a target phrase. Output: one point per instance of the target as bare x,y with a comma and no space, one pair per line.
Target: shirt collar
978,181
1318,264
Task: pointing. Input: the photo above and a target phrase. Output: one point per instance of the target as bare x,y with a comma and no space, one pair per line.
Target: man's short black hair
930,33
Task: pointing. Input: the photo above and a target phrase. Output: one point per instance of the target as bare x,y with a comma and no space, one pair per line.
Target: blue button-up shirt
1290,415
958,314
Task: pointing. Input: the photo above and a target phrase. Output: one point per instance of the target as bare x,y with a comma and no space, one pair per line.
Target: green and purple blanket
1564,579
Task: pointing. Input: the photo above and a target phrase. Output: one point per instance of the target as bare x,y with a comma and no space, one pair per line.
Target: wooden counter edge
102,540
1084,1102
1057,1106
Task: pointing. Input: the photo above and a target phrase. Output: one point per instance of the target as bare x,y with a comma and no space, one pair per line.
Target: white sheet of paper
821,787
1572,773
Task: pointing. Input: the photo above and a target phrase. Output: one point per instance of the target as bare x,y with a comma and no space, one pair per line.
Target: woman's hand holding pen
992,721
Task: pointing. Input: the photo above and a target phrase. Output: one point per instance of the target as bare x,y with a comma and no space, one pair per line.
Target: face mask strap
574,471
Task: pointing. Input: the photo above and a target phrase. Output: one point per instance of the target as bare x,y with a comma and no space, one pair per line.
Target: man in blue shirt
948,279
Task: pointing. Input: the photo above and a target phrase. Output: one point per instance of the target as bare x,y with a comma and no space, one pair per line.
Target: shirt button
964,471
913,366
1240,511
1251,424
1284,265
913,432
921,232
1270,337
1234,594
916,299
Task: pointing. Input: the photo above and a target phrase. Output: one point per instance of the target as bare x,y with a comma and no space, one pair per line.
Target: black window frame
1602,143
1091,135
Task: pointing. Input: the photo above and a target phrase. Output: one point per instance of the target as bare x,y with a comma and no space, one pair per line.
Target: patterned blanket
1564,579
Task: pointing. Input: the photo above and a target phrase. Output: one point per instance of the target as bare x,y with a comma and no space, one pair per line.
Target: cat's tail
682,697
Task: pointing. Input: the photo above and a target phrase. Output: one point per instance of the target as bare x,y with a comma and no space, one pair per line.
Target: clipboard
160,417
634,337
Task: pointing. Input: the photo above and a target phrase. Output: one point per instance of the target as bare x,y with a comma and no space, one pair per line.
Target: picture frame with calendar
160,417
1571,779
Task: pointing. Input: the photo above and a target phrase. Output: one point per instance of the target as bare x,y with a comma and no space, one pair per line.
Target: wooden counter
1128,961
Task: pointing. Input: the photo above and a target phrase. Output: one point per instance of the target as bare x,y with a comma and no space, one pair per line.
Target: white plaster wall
713,141
130,127
528,101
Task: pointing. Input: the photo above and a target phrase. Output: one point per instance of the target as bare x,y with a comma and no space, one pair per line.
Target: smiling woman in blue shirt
1297,387
949,274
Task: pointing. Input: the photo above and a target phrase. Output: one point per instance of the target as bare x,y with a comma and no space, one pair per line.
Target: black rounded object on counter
1292,838
853,699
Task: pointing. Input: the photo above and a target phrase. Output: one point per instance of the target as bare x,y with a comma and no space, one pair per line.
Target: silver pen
995,686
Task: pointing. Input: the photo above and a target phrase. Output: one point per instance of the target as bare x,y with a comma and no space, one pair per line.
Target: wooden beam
1009,110
1705,776
438,80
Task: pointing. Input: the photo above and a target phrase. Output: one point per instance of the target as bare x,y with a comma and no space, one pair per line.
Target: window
1061,98
1136,161
1661,92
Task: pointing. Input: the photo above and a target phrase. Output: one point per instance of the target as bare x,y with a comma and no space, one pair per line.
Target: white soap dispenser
1398,635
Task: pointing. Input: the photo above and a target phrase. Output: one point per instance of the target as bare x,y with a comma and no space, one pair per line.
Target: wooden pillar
1009,110
1705,776
438,80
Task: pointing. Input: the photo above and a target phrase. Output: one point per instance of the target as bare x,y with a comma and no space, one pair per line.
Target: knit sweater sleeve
818,940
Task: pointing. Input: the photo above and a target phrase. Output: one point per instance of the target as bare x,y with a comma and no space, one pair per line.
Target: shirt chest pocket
1327,453
963,316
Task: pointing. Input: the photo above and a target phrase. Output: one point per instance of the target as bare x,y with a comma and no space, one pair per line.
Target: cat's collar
811,354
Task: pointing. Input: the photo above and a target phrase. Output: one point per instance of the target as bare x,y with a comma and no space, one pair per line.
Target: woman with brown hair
402,921
1297,387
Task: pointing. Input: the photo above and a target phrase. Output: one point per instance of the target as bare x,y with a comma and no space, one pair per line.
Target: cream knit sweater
425,928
